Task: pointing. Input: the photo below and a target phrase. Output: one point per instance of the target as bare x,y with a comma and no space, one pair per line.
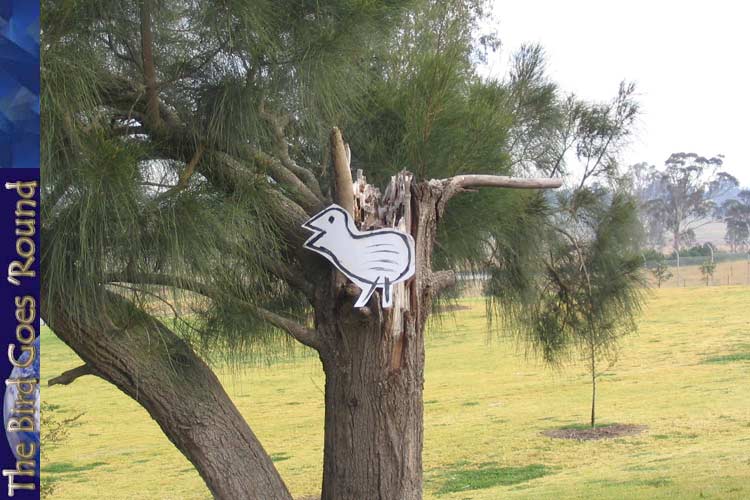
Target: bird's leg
387,296
365,295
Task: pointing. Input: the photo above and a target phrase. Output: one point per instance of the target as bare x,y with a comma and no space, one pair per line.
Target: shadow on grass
487,475
280,457
728,358
67,467
658,482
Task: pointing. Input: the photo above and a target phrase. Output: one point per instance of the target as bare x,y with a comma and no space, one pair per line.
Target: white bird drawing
370,259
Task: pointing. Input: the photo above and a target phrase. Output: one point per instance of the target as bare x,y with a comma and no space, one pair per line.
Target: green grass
487,476
486,405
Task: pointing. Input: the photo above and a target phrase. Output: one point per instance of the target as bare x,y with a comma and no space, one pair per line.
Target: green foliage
591,286
693,251
398,77
708,267
661,272
107,216
736,214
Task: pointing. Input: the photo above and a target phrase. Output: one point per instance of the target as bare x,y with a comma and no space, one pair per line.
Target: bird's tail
364,297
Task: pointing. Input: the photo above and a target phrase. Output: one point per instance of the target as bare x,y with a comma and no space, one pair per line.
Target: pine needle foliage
192,198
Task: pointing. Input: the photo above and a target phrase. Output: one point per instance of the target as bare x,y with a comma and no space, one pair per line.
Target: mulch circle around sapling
606,431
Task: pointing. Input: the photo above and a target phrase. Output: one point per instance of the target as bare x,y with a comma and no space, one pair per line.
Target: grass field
685,375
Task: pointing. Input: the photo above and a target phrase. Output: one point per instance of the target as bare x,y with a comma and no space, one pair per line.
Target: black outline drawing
368,284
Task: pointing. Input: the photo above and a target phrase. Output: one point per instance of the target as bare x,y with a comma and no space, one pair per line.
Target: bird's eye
331,219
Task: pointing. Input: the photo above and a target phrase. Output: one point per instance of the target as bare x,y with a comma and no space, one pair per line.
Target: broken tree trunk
374,358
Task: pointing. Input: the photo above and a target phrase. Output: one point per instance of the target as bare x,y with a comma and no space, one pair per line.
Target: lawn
685,376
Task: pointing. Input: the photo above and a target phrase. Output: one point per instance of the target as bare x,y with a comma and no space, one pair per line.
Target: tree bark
373,418
152,365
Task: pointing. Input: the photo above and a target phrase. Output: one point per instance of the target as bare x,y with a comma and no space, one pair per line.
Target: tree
186,142
708,267
686,189
661,272
589,289
736,216
641,181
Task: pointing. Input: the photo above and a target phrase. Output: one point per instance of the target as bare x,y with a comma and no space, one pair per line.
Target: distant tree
708,267
736,216
683,200
640,180
661,272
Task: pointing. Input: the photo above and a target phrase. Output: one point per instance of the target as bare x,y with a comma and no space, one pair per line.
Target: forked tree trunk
374,359
181,393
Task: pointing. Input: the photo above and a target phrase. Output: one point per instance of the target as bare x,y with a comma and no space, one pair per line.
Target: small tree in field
708,267
591,286
661,272
595,274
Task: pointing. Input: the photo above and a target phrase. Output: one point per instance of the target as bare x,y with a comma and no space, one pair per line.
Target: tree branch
299,332
229,174
288,180
69,376
185,175
343,193
454,185
149,69
278,124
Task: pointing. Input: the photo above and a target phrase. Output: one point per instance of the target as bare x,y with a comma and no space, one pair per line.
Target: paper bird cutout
370,259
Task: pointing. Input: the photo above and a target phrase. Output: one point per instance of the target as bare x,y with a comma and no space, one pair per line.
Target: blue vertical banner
19,248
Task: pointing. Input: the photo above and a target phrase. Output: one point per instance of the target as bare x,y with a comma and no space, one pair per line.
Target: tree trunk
373,420
593,393
677,253
373,359
156,368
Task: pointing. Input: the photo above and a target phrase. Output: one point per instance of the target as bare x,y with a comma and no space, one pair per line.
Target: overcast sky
688,59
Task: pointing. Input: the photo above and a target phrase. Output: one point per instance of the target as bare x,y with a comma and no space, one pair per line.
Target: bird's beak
319,232
310,225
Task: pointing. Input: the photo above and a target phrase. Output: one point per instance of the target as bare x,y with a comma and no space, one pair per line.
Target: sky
690,62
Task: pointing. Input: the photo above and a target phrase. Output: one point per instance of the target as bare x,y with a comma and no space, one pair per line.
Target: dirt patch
600,432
